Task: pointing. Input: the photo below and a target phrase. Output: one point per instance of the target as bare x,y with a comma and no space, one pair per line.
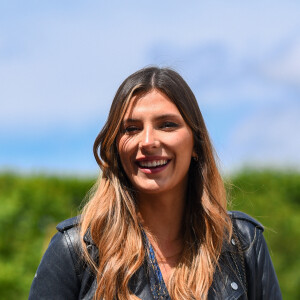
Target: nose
148,138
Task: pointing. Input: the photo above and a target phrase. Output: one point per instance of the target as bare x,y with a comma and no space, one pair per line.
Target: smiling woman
156,226
156,148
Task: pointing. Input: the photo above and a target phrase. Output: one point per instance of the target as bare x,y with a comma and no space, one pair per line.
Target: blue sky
62,61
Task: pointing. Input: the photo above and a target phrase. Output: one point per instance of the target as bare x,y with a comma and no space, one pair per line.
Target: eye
130,129
169,125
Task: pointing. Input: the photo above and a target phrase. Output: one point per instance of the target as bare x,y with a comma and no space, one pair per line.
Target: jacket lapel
139,284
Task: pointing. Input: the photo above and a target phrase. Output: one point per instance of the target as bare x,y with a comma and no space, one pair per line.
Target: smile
152,163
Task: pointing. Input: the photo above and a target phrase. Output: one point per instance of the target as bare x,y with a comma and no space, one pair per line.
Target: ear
195,155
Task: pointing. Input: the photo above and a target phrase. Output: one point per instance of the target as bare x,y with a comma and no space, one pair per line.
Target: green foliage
31,206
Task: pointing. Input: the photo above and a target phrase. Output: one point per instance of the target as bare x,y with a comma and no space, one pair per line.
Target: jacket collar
226,283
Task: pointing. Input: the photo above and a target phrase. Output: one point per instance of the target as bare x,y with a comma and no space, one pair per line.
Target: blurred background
61,63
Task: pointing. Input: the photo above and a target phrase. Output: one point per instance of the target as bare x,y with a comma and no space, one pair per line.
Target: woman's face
155,144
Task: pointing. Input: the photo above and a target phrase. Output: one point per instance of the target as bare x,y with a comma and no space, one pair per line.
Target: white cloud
67,78
62,66
219,78
286,67
269,137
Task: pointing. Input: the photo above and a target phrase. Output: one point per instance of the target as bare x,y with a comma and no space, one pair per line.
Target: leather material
62,274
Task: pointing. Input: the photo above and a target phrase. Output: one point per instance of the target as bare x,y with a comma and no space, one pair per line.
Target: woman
156,226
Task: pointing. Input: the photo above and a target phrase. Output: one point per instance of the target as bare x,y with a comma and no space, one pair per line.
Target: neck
162,217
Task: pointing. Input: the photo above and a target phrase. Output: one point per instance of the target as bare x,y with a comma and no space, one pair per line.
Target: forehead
154,102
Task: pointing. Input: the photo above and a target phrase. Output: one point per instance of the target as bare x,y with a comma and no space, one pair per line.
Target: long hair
111,214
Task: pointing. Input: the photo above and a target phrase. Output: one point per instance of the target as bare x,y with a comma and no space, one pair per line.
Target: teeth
154,163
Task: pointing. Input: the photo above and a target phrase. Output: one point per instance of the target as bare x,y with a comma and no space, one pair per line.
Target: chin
153,188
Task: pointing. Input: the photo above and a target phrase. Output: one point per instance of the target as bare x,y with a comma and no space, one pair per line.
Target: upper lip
151,158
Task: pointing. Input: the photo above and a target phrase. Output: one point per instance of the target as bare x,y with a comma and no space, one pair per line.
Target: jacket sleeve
56,276
263,282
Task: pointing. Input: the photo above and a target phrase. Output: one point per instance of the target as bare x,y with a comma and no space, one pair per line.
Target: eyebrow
161,117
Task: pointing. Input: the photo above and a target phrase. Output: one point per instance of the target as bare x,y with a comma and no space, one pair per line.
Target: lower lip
153,170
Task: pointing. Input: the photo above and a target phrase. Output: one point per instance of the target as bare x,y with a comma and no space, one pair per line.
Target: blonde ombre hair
111,213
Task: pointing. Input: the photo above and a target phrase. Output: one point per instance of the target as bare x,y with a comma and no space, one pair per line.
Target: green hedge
31,206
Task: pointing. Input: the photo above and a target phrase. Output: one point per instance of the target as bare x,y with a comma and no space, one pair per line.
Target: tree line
32,205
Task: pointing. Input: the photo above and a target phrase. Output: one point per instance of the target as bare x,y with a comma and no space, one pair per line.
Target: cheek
184,143
125,150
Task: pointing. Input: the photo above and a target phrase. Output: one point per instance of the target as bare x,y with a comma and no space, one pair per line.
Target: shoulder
261,278
69,230
68,224
246,228
244,219
59,272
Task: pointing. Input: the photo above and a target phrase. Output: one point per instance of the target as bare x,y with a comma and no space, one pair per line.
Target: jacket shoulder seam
237,215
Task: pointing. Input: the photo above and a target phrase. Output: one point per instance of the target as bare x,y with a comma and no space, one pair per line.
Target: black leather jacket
63,275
